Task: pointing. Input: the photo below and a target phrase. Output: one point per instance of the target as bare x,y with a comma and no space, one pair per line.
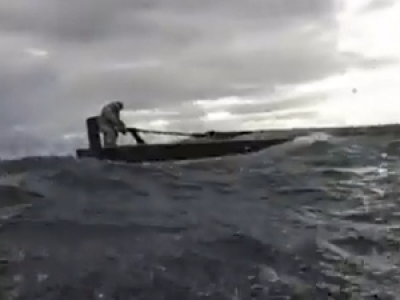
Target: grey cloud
86,20
208,68
208,71
280,105
360,62
378,4
23,88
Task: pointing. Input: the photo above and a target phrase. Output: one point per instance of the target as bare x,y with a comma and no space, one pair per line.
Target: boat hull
178,152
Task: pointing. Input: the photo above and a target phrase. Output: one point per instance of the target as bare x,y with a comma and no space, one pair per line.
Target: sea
314,218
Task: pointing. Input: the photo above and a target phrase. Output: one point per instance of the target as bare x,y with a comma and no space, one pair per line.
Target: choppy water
311,219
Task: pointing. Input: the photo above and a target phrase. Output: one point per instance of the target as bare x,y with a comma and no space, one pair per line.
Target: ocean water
316,218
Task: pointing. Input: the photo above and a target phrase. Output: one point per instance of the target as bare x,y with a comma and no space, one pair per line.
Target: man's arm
114,118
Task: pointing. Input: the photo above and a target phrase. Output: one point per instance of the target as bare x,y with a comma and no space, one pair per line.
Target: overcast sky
61,60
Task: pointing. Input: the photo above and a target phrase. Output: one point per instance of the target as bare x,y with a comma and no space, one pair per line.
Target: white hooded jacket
110,117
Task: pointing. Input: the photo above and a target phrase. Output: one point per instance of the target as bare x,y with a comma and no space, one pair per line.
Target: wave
307,219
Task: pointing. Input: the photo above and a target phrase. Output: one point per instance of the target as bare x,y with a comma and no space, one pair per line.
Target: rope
177,133
195,134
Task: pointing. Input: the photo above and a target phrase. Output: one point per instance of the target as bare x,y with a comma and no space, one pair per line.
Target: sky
195,65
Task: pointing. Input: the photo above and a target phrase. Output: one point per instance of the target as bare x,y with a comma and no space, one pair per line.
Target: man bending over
110,123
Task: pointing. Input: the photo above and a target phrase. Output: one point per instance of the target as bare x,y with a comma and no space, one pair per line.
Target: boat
212,144
218,145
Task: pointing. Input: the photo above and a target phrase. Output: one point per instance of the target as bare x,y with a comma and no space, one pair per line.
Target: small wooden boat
217,146
213,144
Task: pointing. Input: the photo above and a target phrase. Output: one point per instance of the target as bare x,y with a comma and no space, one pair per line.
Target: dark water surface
312,219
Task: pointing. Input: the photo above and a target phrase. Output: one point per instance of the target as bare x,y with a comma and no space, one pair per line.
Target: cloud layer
61,60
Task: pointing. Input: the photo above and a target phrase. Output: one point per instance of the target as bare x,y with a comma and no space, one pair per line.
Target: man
110,123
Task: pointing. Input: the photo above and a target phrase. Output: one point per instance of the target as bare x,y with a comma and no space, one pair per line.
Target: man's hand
122,129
